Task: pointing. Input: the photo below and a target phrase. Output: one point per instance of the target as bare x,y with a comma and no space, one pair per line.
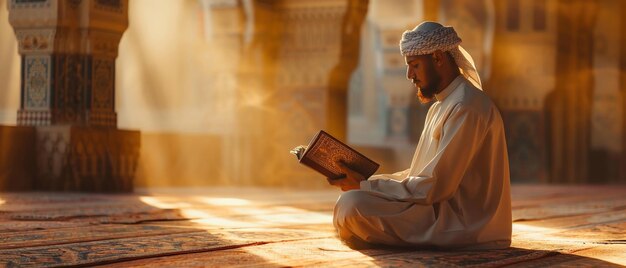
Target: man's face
422,73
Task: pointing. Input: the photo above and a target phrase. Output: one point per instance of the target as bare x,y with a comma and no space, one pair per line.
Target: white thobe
456,194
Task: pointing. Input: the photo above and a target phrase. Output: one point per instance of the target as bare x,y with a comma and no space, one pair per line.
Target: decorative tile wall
37,74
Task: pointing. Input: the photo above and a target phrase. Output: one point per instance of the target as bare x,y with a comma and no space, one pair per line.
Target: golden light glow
259,217
285,219
160,203
223,201
225,212
207,219
526,228
2,201
284,215
262,210
233,215
211,213
527,232
283,256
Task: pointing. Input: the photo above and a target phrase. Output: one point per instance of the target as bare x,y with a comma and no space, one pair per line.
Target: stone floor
553,226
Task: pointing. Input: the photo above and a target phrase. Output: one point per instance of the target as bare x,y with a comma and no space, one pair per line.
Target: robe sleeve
462,134
398,176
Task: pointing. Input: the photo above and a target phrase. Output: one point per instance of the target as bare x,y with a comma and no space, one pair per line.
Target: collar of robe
449,89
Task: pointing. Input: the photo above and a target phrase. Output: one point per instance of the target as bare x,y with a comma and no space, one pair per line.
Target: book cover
325,151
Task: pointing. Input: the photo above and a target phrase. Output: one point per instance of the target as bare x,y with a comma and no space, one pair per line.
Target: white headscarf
429,36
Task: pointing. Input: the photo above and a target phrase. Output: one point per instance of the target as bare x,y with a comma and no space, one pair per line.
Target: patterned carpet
149,244
555,226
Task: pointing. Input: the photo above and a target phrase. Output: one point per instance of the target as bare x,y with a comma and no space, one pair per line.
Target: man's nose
409,74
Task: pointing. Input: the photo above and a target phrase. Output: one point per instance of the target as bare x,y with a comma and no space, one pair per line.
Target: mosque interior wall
221,90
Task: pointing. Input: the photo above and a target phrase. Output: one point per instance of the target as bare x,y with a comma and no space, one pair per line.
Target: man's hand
351,181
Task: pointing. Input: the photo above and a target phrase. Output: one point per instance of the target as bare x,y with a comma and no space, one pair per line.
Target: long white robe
456,194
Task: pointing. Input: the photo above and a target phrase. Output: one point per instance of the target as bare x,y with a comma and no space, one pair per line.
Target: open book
323,153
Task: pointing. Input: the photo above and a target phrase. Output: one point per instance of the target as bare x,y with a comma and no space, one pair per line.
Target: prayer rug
89,253
80,212
130,213
92,208
550,210
31,198
115,250
20,226
564,260
83,234
159,215
486,258
331,252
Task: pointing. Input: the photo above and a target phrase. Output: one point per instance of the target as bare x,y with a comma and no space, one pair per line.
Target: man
456,194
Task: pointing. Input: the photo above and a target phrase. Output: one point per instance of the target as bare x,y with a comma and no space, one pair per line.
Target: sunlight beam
527,232
155,202
224,201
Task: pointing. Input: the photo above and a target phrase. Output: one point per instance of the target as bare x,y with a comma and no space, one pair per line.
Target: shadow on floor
511,257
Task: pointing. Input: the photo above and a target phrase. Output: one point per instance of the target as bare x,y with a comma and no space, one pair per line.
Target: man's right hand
351,181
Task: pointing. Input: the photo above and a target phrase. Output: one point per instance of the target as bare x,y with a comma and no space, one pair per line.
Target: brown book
323,153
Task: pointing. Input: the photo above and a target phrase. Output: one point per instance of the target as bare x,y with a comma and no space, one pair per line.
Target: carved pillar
255,135
516,85
68,51
288,72
570,103
338,83
622,87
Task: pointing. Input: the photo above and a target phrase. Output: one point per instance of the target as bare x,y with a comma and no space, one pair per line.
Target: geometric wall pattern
37,82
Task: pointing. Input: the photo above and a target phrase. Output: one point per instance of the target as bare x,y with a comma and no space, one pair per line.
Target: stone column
68,51
622,86
292,81
256,78
570,104
338,82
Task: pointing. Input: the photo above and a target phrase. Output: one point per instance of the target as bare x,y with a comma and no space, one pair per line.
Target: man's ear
438,57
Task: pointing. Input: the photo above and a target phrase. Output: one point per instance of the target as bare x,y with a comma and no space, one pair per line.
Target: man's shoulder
467,93
469,99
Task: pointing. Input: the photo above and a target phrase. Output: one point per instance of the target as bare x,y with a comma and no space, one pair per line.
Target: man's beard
428,91
427,94
423,98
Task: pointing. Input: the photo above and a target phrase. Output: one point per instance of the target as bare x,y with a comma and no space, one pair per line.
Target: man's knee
348,217
349,206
